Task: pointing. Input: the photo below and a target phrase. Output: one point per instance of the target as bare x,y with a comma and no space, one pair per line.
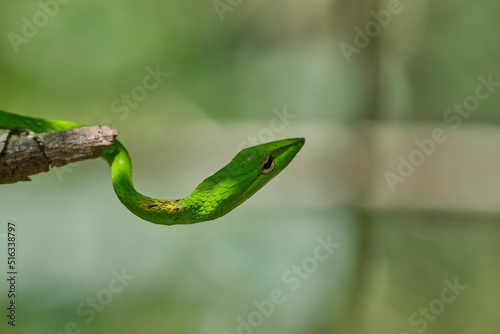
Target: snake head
249,171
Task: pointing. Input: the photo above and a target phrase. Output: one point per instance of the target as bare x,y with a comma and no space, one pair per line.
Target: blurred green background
415,226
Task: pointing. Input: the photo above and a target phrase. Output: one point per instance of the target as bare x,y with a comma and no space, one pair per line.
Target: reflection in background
384,223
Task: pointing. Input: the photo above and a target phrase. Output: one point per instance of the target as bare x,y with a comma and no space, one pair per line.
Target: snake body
217,195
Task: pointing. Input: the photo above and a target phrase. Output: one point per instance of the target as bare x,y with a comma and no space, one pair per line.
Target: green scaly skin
217,195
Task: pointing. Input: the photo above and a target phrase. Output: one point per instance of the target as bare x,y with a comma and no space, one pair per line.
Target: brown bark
32,154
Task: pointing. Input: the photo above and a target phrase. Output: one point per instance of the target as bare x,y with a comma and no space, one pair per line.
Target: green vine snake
217,195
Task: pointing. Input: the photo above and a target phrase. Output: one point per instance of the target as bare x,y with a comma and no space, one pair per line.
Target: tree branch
29,155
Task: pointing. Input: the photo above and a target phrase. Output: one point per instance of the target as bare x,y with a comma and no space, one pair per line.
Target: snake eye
267,165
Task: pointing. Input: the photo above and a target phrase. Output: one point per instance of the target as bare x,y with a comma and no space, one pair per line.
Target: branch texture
29,155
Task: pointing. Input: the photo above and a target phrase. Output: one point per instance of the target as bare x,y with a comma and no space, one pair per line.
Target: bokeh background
414,218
